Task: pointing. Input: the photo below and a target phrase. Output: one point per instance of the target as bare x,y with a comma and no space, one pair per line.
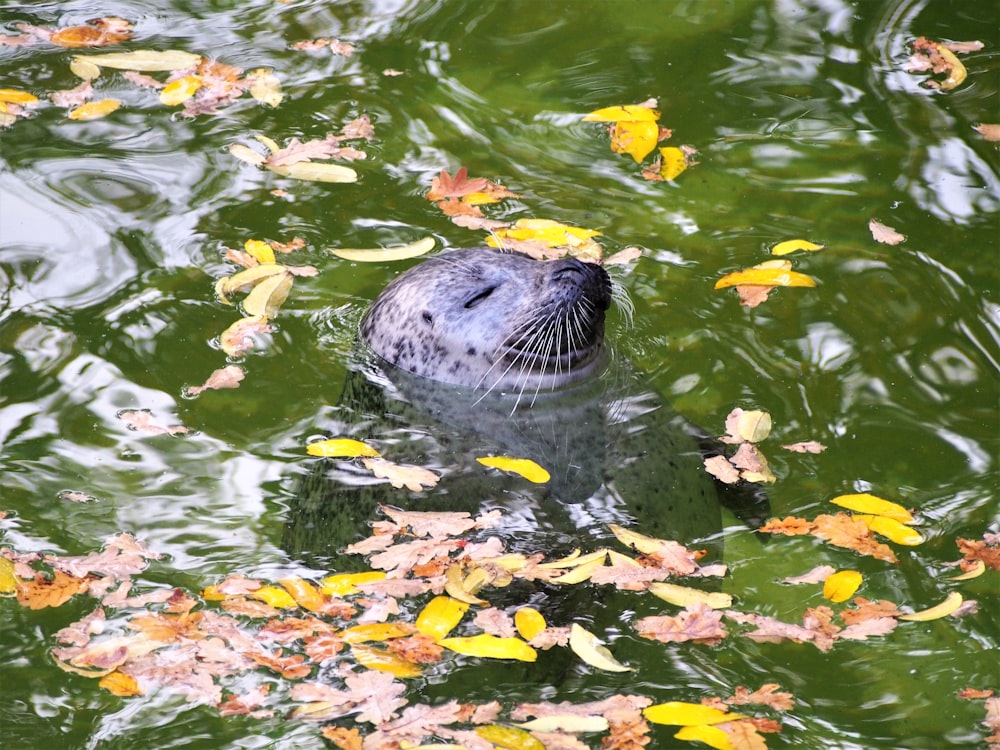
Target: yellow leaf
260,250
247,154
13,96
94,110
268,296
146,61
491,647
340,448
674,162
865,503
552,233
635,138
753,426
584,570
707,734
790,246
384,661
479,199
840,586
179,91
525,467
274,596
956,70
765,277
265,87
892,530
977,569
380,255
317,171
529,622
83,68
682,596
687,714
306,594
570,723
631,112
509,738
455,586
440,616
344,584
587,646
247,279
8,579
374,631
634,540
122,685
952,602
575,559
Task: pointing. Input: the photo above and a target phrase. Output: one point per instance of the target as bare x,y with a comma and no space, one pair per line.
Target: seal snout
588,280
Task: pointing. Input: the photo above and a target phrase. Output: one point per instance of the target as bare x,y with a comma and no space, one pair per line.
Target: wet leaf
375,631
635,138
628,112
706,734
684,596
765,277
570,723
15,96
524,467
8,580
808,446
951,603
314,171
491,647
122,685
440,616
94,110
460,588
752,426
552,233
840,586
384,661
990,132
226,377
180,90
529,622
100,32
790,246
268,296
976,569
885,234
414,478
588,647
238,338
673,161
684,714
893,530
306,594
866,503
380,255
341,448
146,61
508,738
265,87
247,154
274,596
345,584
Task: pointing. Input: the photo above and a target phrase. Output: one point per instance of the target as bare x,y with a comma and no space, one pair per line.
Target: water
110,242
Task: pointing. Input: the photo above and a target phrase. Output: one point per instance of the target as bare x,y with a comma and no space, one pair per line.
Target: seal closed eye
493,320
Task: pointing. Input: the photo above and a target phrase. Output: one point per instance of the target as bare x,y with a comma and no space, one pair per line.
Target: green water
111,234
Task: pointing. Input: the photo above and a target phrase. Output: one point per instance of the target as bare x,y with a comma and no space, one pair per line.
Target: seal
450,351
494,320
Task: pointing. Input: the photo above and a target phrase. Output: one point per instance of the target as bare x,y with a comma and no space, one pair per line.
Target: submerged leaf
316,171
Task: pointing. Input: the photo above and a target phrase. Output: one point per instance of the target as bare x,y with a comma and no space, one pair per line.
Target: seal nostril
428,318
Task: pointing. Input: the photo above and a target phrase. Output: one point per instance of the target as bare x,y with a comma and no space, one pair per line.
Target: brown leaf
698,623
100,32
765,695
141,420
73,97
227,377
42,592
808,446
884,234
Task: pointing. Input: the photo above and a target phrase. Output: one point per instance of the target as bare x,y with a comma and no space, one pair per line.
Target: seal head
493,320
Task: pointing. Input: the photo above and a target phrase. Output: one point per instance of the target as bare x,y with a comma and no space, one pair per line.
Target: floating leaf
247,154
120,684
683,596
885,234
414,478
8,580
83,68
978,567
491,647
94,110
952,602
629,112
529,622
379,255
247,279
268,296
306,594
575,559
840,586
588,647
179,91
460,588
440,616
146,61
509,738
765,277
893,530
265,87
316,171
571,723
341,448
14,96
674,161
706,734
524,467
344,584
790,246
260,250
375,631
584,570
384,661
865,503
552,233
635,138
276,597
684,714
753,425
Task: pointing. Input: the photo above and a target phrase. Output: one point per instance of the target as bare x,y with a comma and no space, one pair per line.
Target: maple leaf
765,695
867,610
446,186
987,550
698,622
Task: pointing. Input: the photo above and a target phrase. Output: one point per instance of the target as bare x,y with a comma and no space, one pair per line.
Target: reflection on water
111,235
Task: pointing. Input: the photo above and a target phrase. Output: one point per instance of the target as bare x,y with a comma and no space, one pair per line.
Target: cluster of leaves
635,131
299,639
940,58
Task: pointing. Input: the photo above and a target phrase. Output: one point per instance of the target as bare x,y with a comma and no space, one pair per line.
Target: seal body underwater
484,352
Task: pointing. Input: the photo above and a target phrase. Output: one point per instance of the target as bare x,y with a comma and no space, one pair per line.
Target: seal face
493,320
